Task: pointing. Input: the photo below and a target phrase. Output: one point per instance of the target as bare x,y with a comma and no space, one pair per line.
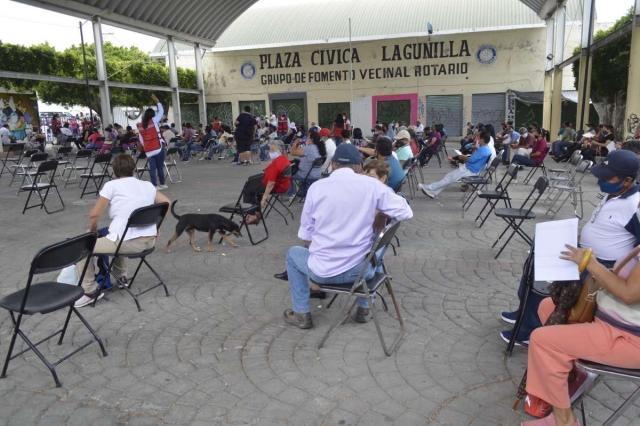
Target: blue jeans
216,148
531,320
156,166
264,152
505,153
523,161
192,147
291,191
298,271
338,141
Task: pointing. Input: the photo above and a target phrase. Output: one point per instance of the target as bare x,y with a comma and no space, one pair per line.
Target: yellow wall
518,65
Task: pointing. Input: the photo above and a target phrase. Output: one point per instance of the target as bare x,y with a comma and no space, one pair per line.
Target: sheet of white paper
457,152
611,146
550,240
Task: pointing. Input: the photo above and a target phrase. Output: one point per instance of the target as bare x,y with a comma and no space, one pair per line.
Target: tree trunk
611,111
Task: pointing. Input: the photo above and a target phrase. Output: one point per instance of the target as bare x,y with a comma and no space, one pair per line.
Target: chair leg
628,403
91,330
335,323
392,348
11,346
64,328
335,296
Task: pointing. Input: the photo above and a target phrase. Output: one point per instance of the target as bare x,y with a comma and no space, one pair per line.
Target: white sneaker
164,186
159,187
428,193
514,181
86,299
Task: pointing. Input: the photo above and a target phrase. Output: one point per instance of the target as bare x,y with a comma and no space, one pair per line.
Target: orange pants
554,348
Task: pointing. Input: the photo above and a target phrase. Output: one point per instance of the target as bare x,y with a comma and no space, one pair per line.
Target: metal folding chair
410,176
74,168
49,297
475,183
573,189
248,204
515,217
142,157
302,187
42,180
368,288
27,171
170,162
534,169
152,215
494,196
13,157
274,197
102,161
64,158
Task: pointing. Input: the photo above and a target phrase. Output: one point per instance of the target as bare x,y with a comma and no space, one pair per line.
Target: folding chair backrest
15,147
398,186
42,156
64,150
250,189
383,240
148,215
318,162
30,152
407,163
102,158
575,159
115,150
287,173
63,254
100,139
47,166
141,155
583,166
511,170
172,150
541,184
84,153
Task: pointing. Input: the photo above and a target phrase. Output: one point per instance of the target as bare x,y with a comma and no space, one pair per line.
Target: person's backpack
102,277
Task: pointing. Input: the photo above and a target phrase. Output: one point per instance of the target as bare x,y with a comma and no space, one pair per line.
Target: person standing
283,124
216,124
243,134
338,127
152,142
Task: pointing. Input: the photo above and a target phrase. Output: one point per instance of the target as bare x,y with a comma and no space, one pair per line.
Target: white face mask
273,155
525,135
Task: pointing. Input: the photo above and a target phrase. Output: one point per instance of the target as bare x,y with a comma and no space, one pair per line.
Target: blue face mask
610,188
273,155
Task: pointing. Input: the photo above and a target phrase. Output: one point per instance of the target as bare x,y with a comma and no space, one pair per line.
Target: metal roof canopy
544,8
193,21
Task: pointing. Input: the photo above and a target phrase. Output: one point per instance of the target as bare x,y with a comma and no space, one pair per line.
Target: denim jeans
530,320
156,166
522,160
449,178
338,141
505,153
264,152
216,148
298,271
291,191
192,147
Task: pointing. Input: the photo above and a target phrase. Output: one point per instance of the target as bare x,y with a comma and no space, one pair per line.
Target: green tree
125,65
609,75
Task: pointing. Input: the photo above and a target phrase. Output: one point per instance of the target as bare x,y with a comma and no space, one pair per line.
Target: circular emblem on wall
487,54
248,70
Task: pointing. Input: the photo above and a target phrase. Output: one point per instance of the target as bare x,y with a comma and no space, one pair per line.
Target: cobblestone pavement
216,352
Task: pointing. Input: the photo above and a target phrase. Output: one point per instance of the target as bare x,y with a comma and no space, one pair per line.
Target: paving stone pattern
216,352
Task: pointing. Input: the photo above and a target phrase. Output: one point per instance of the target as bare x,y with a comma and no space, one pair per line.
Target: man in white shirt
122,195
330,145
5,134
167,135
334,249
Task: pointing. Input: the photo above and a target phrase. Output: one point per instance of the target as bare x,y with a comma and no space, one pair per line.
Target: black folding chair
534,169
368,288
13,157
516,216
171,163
274,197
28,171
64,159
478,182
102,161
142,156
248,204
302,187
614,372
152,215
42,180
426,155
74,167
410,177
493,196
48,297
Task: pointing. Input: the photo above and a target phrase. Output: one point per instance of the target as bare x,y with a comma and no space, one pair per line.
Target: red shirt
539,146
273,173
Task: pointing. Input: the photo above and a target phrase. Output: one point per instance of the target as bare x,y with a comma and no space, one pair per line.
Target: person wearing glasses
612,232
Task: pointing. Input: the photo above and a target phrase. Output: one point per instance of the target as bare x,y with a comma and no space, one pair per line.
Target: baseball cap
324,132
618,162
402,134
346,154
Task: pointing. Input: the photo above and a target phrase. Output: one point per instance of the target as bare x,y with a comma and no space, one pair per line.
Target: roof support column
202,105
173,76
101,66
584,76
633,87
556,99
548,78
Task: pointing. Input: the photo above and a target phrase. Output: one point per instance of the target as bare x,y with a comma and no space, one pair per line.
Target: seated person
384,151
269,136
346,134
510,136
335,249
108,144
222,145
95,140
314,148
273,179
330,147
122,195
358,139
470,166
129,139
403,149
612,232
37,140
525,143
535,158
613,338
200,144
599,145
378,169
432,145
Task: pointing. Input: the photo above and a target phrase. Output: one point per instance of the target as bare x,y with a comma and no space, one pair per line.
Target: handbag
583,311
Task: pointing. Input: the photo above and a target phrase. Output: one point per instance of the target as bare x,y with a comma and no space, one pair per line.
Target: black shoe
316,294
362,315
284,276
